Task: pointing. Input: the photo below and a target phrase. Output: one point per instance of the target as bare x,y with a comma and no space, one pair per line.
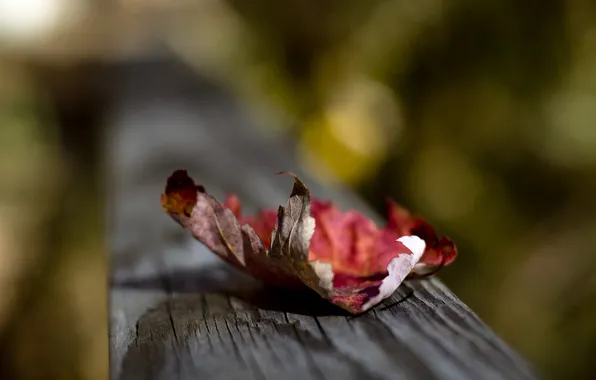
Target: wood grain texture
179,312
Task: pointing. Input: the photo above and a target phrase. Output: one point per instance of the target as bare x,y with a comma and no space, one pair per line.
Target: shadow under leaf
219,278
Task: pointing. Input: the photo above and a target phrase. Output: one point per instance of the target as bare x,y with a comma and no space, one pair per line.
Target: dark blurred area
480,116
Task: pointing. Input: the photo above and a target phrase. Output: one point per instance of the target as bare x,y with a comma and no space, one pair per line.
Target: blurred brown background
479,115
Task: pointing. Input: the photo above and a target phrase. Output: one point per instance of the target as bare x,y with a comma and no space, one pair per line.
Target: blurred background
479,115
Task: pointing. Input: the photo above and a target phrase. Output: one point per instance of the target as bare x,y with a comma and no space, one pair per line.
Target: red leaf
342,256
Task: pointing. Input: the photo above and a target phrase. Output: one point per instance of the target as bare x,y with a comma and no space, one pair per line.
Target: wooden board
178,312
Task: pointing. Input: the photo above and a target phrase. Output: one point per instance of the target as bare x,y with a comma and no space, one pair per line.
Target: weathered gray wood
178,312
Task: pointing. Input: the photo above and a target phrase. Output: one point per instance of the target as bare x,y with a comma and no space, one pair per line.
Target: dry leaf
343,256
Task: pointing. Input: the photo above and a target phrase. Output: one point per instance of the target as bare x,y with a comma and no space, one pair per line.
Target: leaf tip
299,186
180,194
287,172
